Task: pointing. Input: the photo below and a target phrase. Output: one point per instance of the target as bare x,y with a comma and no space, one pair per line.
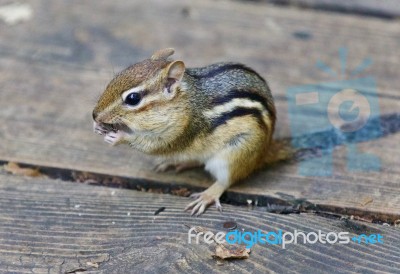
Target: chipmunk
221,116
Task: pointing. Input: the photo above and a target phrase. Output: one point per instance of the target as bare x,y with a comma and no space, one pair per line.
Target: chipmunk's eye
133,99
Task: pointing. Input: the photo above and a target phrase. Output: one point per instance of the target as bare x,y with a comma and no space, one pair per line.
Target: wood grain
49,226
51,78
388,9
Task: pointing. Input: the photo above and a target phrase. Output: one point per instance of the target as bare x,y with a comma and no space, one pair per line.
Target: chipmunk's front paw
113,138
203,200
99,129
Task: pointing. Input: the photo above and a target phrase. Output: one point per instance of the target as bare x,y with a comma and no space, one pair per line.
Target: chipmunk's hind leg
235,162
166,165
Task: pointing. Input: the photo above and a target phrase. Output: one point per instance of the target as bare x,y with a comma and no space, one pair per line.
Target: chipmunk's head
145,99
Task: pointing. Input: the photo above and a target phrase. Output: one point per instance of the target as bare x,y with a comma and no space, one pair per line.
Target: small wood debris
15,169
364,219
92,264
366,200
154,190
236,252
183,192
225,251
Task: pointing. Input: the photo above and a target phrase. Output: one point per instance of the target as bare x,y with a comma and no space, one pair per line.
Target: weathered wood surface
49,226
389,9
50,79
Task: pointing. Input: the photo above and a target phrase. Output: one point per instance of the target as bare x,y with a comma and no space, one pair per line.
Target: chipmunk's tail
311,145
302,147
279,151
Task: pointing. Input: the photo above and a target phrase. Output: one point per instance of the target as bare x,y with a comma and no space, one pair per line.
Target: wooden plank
388,9
46,116
49,226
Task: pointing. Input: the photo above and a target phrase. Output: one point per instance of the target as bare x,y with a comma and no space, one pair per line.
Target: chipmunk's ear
176,70
162,54
174,74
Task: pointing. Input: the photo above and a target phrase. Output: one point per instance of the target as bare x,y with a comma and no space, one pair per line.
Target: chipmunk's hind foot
206,198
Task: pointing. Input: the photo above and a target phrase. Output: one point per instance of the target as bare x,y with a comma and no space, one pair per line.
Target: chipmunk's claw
163,167
113,138
97,128
218,205
202,202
